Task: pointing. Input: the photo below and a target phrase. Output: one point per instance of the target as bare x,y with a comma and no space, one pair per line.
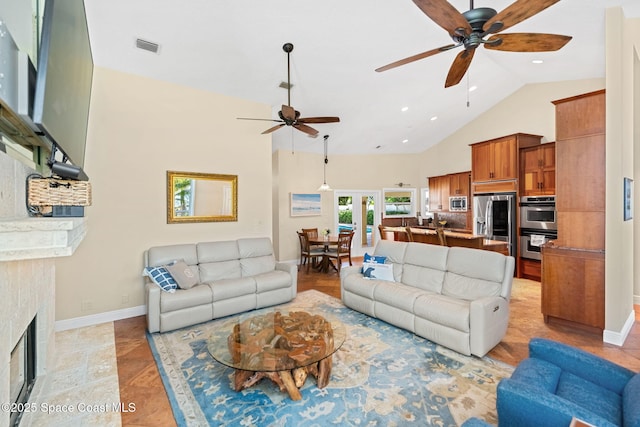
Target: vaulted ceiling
235,48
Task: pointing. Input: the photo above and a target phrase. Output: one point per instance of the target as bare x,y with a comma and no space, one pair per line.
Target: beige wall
138,129
302,173
622,39
528,110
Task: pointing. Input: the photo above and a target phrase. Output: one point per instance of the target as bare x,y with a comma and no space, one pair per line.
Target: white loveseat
456,297
232,277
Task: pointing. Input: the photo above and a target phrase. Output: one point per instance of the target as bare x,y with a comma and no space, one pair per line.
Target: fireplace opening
22,371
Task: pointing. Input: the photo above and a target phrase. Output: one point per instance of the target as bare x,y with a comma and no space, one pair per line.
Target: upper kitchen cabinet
439,193
497,159
459,184
538,170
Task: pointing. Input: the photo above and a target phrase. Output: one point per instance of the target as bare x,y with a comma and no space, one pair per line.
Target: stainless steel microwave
458,203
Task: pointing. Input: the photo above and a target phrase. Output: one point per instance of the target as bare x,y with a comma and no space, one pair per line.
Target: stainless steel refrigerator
494,215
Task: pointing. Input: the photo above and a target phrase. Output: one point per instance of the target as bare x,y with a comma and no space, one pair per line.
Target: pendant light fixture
325,186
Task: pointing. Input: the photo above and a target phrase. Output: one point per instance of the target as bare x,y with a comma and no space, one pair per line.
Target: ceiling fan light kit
470,28
289,116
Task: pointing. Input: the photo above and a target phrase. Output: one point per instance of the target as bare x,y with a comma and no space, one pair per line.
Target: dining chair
341,250
312,233
308,255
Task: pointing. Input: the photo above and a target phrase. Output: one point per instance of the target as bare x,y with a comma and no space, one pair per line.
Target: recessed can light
537,61
472,88
404,141
403,109
434,118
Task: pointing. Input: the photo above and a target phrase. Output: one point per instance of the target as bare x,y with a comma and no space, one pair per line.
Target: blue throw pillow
161,277
378,259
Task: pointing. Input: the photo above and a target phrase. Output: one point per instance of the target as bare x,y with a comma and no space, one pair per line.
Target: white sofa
232,276
456,297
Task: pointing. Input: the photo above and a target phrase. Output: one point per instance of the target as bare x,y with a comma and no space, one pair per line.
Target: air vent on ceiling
285,85
147,45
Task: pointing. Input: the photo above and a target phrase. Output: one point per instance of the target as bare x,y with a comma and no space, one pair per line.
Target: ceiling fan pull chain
468,72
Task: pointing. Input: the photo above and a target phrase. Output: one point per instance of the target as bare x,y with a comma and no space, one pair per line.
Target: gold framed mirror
201,197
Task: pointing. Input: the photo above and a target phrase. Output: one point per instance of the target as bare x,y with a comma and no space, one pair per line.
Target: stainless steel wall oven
538,224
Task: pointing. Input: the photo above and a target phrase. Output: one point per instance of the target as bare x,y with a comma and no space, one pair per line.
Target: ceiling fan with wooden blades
290,116
470,28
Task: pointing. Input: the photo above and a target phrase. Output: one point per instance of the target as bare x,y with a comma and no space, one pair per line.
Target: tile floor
82,388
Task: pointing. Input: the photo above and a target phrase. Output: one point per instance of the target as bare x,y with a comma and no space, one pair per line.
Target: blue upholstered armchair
558,382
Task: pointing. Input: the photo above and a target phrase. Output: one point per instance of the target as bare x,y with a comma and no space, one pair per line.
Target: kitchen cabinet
572,287
538,170
459,184
573,266
439,193
497,159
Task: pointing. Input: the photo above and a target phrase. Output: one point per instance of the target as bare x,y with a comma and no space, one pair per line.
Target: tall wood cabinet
573,265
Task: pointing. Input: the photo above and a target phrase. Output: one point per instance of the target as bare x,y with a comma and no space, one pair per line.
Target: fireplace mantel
36,238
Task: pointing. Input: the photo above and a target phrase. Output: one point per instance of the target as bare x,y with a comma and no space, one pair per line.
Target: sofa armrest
152,298
523,405
581,363
347,271
489,319
292,269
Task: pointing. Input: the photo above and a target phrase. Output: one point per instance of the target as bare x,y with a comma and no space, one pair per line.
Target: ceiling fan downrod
288,47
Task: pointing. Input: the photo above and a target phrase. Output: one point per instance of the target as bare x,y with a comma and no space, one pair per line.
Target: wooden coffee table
283,346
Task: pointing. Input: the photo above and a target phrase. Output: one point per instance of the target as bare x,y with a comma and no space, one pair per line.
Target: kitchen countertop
455,233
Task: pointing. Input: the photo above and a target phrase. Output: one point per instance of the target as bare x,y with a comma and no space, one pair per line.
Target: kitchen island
453,238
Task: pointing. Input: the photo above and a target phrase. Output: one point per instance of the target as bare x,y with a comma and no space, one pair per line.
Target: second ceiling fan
290,116
468,29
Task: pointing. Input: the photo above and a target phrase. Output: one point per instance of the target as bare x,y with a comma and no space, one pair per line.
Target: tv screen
64,76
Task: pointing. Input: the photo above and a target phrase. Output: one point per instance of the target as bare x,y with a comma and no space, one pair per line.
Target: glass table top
275,340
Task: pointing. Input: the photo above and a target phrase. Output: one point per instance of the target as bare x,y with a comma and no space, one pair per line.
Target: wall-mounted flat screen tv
64,77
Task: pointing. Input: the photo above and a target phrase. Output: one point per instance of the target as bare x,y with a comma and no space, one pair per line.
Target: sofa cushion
212,271
255,247
443,310
630,403
394,252
185,298
397,295
271,280
232,288
599,400
424,266
476,263
217,251
357,284
538,373
160,255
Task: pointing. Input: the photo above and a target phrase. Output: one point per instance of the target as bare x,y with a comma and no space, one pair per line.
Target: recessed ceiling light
434,118
404,141
537,61
404,109
472,88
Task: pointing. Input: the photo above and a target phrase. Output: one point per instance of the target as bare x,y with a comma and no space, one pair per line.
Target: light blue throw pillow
161,277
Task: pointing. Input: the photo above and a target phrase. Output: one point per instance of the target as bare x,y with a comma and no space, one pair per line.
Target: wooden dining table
326,242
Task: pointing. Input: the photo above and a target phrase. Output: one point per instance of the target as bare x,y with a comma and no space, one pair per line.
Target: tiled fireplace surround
28,248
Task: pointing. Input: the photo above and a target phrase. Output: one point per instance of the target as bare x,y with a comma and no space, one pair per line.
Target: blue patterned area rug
382,376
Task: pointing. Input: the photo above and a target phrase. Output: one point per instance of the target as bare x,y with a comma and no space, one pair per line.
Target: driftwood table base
285,348
288,380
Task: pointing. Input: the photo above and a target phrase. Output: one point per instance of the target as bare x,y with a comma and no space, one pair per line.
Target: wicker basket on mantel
58,192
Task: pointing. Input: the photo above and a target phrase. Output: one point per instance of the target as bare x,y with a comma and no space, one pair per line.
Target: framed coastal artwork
628,199
306,204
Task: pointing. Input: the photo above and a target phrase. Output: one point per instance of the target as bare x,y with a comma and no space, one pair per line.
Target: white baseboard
636,299
618,338
96,319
